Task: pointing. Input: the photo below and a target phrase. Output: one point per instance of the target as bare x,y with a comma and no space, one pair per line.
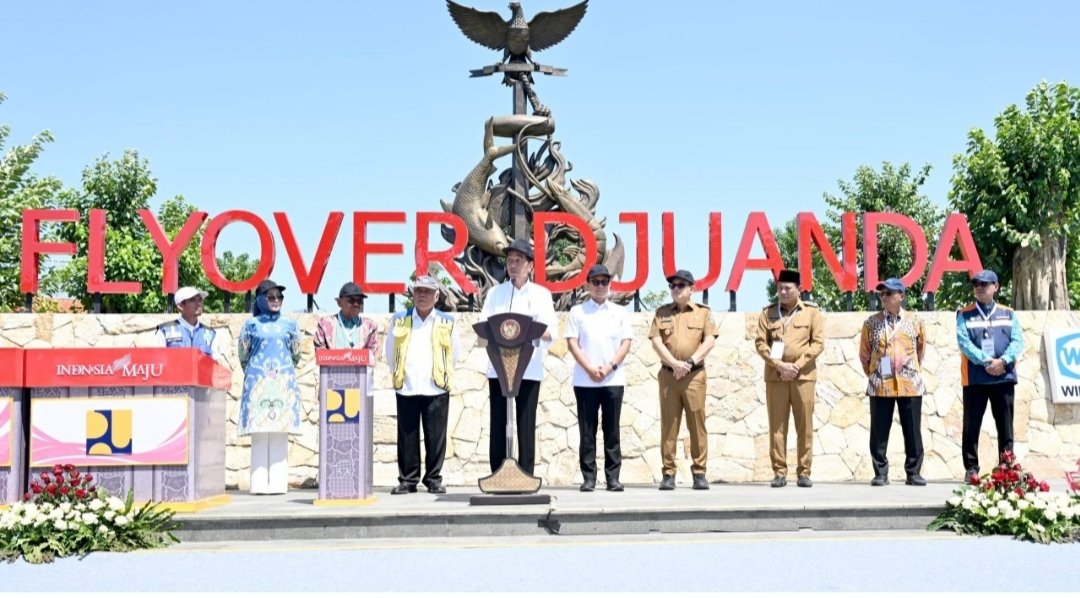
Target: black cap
791,276
266,285
988,276
351,289
522,247
682,274
892,284
598,270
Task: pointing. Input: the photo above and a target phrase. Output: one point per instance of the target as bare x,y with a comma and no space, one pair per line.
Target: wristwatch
614,366
690,360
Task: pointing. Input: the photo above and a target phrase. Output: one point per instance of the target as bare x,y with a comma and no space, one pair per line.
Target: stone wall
1047,435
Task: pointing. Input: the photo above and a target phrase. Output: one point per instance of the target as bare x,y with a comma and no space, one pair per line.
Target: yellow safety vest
442,348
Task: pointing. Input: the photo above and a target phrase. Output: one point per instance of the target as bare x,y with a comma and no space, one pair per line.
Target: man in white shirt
519,295
187,331
421,350
598,333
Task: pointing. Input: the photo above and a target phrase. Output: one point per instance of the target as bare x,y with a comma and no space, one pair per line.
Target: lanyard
887,337
784,323
349,334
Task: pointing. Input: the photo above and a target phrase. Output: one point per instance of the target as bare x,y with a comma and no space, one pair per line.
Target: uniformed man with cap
682,334
421,350
346,329
790,336
991,340
187,331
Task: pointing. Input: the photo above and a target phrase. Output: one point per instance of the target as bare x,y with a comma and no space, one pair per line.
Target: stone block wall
1047,435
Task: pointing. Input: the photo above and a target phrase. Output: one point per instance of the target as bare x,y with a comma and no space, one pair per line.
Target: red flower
1044,487
92,489
64,490
89,477
57,470
80,493
51,488
1020,492
26,496
45,477
35,488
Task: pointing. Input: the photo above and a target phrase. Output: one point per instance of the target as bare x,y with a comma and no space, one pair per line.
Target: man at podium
346,329
187,331
422,350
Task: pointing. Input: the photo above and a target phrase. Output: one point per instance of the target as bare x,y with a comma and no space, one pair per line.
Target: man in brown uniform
790,336
682,335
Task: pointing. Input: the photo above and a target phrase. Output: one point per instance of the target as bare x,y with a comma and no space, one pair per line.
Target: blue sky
691,107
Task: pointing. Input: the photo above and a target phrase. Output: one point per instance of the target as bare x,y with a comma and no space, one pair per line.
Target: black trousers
434,413
590,401
1000,397
881,410
525,418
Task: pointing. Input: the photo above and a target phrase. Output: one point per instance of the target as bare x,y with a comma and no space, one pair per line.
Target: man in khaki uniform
682,334
790,336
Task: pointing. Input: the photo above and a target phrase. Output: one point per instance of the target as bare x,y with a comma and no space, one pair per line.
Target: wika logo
1067,352
122,367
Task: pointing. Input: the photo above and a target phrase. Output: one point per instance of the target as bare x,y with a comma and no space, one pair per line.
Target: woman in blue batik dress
269,349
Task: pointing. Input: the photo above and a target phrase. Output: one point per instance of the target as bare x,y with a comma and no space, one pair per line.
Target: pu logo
343,406
1067,351
108,432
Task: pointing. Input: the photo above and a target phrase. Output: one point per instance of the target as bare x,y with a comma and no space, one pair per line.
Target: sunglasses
981,283
353,299
678,286
600,282
888,293
274,297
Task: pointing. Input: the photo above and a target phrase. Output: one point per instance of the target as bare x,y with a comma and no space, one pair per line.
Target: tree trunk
1039,276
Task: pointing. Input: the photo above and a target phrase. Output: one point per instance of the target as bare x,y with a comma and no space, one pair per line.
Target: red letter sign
756,225
810,233
170,251
361,249
95,262
309,281
641,234
955,229
716,253
871,221
540,221
445,258
209,251
32,246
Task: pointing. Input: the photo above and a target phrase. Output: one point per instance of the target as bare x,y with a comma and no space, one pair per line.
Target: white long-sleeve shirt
531,300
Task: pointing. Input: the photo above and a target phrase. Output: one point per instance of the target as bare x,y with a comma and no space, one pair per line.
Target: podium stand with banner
346,426
147,420
12,427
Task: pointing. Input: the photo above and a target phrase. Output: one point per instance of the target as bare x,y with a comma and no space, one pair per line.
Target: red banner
46,368
11,368
343,357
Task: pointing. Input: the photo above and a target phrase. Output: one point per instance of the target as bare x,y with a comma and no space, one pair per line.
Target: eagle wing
549,28
485,28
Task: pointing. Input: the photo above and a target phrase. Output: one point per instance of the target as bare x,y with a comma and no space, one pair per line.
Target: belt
693,369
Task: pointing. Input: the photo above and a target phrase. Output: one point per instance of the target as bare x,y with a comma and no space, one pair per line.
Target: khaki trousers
676,396
783,399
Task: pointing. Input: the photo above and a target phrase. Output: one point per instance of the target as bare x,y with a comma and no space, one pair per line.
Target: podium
147,420
346,426
12,427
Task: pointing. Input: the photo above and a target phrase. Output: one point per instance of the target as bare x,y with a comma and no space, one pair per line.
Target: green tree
21,190
890,189
1021,193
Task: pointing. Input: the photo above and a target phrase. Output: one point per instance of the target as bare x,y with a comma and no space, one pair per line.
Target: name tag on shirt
988,346
885,367
173,335
777,351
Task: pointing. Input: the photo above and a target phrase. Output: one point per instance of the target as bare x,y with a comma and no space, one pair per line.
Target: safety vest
999,328
442,358
178,336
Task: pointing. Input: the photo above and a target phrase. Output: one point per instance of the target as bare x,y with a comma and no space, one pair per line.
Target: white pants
269,463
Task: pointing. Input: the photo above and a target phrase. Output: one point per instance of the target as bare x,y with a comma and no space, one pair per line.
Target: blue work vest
176,335
999,328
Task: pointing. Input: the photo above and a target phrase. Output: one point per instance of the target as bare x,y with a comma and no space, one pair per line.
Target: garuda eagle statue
517,38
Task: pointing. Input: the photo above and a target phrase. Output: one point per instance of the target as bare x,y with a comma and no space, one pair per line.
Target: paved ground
798,561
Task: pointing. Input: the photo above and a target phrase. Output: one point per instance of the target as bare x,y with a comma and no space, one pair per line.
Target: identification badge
885,367
173,335
988,346
777,351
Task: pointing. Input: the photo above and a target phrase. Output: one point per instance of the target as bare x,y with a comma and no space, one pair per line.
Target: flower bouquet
65,513
1010,501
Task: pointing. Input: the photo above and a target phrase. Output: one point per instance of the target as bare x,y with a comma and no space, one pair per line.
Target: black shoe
588,485
615,486
804,481
880,480
700,483
403,488
915,480
668,483
778,482
436,488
